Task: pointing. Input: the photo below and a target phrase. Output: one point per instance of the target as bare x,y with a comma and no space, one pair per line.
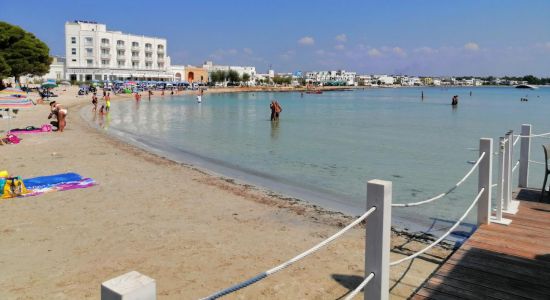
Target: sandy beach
192,231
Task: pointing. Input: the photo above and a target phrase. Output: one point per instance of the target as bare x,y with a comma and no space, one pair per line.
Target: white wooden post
485,181
377,250
500,185
524,156
506,175
130,286
511,206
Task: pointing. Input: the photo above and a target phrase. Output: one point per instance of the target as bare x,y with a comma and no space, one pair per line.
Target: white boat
526,86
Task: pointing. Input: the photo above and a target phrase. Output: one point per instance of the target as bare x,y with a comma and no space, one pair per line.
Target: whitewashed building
94,53
331,77
210,67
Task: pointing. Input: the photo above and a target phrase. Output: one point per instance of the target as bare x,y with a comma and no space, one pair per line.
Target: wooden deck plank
499,262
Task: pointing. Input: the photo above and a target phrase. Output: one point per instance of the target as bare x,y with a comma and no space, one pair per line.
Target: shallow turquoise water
327,146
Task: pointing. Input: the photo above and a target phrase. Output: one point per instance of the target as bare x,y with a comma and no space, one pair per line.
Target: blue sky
422,37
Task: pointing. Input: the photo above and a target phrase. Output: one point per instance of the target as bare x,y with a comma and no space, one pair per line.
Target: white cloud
399,52
339,47
288,54
248,51
471,46
374,52
320,52
425,50
342,38
306,41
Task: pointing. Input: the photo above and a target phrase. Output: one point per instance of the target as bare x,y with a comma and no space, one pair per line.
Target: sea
325,147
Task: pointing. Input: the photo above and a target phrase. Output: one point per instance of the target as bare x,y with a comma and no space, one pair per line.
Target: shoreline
170,221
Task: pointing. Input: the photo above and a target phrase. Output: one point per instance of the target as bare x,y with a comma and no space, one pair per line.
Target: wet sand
190,230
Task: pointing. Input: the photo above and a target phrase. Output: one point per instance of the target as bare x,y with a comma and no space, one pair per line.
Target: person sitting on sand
60,113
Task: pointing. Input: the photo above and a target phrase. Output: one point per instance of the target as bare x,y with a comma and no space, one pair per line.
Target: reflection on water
339,140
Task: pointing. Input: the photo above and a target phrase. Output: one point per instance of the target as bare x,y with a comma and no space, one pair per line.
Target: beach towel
53,183
32,129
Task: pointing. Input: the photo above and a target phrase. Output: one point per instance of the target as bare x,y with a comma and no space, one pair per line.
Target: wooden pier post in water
377,250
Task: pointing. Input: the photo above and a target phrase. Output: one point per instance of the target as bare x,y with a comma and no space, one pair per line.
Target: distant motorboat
526,86
314,92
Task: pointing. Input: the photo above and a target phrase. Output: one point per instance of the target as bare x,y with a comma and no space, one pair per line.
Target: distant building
331,77
195,74
93,53
210,67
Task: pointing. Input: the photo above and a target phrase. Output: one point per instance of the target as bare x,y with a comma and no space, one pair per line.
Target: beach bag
13,187
46,128
13,139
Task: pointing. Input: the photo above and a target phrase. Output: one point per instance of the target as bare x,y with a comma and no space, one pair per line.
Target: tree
246,77
233,76
22,52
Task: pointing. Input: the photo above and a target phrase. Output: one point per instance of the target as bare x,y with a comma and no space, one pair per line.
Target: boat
526,86
314,92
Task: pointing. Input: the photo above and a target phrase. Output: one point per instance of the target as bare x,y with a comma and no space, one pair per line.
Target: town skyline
423,39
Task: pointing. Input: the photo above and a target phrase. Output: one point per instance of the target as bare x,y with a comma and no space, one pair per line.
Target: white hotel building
93,53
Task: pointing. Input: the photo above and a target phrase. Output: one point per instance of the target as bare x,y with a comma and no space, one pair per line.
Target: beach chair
546,149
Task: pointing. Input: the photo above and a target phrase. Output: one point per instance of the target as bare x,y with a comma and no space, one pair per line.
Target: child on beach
108,102
102,110
94,102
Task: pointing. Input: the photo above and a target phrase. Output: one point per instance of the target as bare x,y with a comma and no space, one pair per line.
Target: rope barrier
537,162
494,185
445,193
443,236
516,141
360,287
515,166
278,268
534,135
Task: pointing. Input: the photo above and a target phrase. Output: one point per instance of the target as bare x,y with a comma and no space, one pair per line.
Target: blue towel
47,181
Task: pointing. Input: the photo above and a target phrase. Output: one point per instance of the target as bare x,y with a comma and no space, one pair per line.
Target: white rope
360,287
537,162
515,166
494,185
445,193
443,236
517,140
534,135
278,268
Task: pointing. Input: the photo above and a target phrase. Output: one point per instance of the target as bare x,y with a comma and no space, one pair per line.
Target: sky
414,37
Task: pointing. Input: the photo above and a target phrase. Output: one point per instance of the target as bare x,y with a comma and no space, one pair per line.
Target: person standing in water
108,102
422,95
454,102
276,109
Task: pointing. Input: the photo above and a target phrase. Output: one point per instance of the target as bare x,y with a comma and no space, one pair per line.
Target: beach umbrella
65,82
12,92
48,85
14,102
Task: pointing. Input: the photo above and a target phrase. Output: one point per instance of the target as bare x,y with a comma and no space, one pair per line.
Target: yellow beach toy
12,187
4,174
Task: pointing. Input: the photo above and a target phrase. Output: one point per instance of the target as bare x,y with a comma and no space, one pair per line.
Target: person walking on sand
108,102
94,102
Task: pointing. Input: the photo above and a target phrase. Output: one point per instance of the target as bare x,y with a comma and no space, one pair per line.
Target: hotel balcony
135,58
160,50
120,47
106,55
160,59
135,48
148,59
105,46
148,50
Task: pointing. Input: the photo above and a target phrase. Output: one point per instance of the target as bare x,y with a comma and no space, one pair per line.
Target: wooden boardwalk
499,262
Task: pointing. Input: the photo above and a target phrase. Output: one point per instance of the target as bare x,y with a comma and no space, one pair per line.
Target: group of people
276,110
104,107
60,113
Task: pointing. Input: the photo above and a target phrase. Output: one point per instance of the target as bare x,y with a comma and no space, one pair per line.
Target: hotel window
73,51
88,40
148,65
135,44
74,59
148,55
148,46
160,47
135,53
121,63
90,62
104,62
105,41
73,40
135,64
120,52
104,51
120,43
89,51
160,65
